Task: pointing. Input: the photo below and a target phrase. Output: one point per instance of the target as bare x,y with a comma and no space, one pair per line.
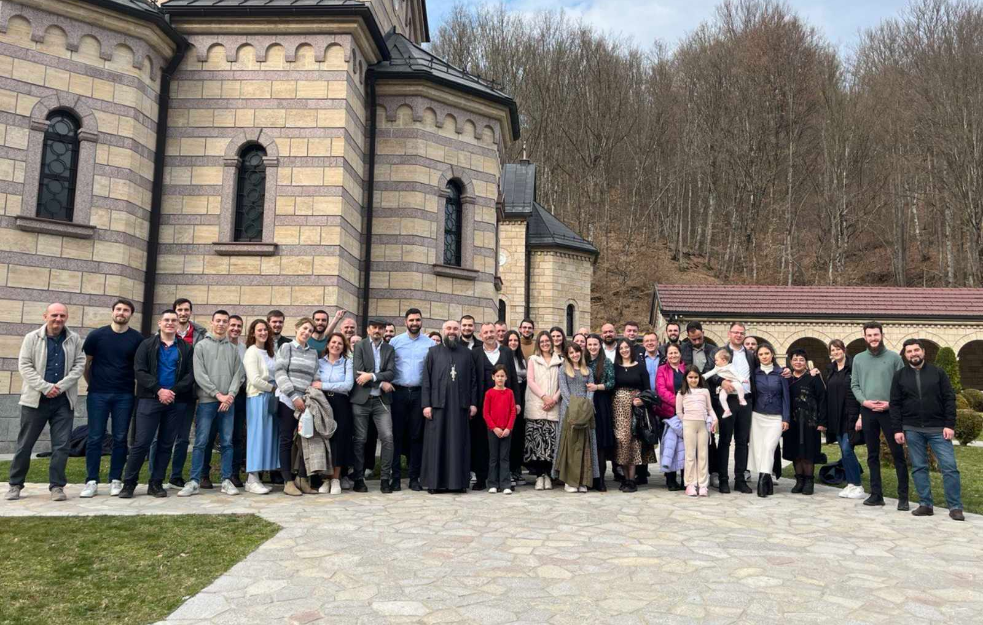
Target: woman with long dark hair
261,423
669,380
842,413
559,338
514,342
769,418
630,379
336,379
603,388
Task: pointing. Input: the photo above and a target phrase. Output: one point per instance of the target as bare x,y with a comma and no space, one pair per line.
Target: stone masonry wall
559,279
512,241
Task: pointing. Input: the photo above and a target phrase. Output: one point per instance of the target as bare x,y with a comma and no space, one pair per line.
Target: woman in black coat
802,441
842,415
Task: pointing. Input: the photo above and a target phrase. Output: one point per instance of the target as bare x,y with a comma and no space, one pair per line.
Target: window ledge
449,271
55,227
498,283
244,249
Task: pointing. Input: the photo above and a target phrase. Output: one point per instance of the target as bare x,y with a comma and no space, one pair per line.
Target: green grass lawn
75,470
969,460
104,569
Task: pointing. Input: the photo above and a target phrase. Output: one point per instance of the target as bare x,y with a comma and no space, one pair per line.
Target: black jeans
288,428
238,437
736,427
153,420
874,423
498,461
407,415
58,412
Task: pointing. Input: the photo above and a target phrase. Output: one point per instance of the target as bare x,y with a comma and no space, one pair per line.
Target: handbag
641,426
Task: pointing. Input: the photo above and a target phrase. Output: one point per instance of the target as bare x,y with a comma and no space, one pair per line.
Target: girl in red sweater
499,413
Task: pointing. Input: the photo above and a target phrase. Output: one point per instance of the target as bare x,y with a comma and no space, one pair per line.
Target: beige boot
305,486
291,489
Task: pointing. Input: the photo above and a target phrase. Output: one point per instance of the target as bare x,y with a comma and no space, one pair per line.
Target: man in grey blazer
374,362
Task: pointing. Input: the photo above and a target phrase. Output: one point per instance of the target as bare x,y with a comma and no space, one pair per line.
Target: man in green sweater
873,372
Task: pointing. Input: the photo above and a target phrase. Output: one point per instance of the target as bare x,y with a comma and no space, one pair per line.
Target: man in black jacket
486,355
923,413
738,426
165,384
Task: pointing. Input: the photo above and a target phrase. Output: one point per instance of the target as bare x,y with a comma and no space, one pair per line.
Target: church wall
512,237
301,96
106,72
560,278
422,143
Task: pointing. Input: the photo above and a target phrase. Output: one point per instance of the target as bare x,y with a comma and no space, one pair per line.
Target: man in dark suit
374,362
486,355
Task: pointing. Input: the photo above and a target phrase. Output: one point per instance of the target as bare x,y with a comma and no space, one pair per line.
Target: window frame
453,197
232,161
74,147
570,317
242,178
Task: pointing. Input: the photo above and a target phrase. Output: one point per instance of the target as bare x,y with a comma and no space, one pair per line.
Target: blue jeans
206,415
102,406
851,466
181,441
918,450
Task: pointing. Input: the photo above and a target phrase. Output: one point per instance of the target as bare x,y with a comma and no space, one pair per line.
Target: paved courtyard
553,557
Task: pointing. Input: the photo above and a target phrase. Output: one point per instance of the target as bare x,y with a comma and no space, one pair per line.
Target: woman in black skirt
514,343
603,388
802,442
336,381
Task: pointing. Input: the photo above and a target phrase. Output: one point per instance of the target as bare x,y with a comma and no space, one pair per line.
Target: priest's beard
450,342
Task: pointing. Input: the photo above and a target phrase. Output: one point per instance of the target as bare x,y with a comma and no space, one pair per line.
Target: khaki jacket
32,361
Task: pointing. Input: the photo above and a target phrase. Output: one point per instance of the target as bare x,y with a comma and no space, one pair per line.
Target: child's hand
506,432
498,432
713,426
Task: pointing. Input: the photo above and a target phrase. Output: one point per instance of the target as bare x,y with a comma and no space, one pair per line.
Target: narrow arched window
250,195
452,225
59,167
502,311
571,319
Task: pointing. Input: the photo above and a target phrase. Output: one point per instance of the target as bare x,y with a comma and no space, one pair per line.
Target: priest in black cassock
486,355
449,402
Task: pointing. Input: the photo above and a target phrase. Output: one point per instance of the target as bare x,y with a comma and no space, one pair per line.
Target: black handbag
641,426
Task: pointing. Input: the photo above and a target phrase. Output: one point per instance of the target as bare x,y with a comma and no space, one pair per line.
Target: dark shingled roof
755,301
409,61
142,9
545,230
518,188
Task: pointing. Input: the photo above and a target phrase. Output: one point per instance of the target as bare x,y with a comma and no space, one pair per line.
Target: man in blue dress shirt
411,350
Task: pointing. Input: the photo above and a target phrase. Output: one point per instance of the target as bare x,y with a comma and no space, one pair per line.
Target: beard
611,341
673,341
915,362
450,341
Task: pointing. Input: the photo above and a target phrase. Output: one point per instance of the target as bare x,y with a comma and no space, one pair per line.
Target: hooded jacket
217,368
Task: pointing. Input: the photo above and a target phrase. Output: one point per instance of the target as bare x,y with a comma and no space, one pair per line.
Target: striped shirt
296,369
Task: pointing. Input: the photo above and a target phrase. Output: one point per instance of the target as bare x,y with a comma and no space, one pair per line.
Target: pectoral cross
453,373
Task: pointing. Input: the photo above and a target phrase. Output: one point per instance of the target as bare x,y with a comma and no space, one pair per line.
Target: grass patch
75,470
105,569
969,461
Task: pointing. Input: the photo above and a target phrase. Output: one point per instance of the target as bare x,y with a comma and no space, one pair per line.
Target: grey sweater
296,369
218,368
872,374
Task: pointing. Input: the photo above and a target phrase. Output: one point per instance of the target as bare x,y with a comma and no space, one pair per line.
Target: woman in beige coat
542,410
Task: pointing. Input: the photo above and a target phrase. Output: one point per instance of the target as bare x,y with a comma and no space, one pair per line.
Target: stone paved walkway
553,557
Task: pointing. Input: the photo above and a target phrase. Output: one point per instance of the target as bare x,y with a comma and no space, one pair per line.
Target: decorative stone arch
969,337
714,337
88,136
461,176
803,334
763,334
926,335
226,245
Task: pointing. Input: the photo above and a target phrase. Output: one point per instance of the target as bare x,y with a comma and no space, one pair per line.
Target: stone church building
257,154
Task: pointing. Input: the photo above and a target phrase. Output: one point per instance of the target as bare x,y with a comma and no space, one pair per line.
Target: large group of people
470,406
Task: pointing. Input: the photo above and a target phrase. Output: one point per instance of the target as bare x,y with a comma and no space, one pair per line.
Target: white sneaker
539,482
569,489
228,488
325,487
335,487
547,483
582,489
258,488
492,491
507,491
190,488
13,493
346,484
858,492
846,491
115,488
91,489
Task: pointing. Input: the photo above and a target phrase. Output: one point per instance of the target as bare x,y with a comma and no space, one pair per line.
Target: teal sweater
873,373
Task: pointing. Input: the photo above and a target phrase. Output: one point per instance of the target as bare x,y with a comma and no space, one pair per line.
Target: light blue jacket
672,456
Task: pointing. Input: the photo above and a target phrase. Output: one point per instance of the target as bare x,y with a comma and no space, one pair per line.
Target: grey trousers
379,413
57,412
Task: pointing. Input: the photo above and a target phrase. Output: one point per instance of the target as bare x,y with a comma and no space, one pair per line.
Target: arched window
59,167
452,225
250,195
571,319
502,311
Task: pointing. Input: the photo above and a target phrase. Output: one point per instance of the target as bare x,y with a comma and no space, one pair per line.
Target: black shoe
619,474
156,489
236,481
206,483
800,482
874,500
395,484
922,511
762,486
127,492
276,478
903,505
642,479
177,482
724,488
624,486
385,487
956,515
360,487
810,486
601,487
415,484
742,487
671,482
480,485
630,486
431,491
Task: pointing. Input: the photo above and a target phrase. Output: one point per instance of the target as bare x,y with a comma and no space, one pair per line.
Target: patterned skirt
628,449
540,441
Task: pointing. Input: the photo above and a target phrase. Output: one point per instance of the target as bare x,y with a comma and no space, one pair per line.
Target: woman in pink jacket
668,379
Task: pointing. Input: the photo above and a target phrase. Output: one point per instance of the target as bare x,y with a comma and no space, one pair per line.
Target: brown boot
304,484
291,489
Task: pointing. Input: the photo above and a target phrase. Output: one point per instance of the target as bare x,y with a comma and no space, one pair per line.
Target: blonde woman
296,370
542,409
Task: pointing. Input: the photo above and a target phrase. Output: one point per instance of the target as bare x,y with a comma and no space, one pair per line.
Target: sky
670,20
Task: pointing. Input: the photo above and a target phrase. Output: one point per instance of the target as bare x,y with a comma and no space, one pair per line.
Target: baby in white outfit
725,370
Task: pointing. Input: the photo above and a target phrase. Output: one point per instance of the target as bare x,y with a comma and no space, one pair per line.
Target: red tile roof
702,301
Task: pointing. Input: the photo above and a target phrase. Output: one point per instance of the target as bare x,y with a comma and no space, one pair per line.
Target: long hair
568,364
617,352
564,334
601,357
691,369
539,338
518,353
251,337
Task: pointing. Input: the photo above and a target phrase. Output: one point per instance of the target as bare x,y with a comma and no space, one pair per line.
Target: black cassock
449,389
